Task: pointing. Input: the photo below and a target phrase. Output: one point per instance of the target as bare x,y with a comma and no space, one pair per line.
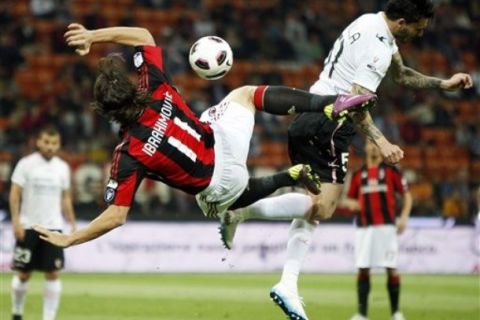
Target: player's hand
457,81
353,205
401,225
54,237
391,153
19,232
79,37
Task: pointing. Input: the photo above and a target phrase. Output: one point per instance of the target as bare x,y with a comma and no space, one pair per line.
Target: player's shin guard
363,289
51,298
282,100
393,287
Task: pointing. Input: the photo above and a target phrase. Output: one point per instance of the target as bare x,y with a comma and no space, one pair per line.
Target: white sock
284,207
51,298
19,292
299,239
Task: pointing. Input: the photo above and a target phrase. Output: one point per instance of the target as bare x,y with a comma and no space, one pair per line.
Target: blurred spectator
203,26
160,4
10,55
5,14
43,9
64,11
423,113
454,206
474,145
94,19
25,33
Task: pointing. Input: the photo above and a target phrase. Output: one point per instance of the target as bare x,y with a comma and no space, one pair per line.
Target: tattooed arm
414,79
364,123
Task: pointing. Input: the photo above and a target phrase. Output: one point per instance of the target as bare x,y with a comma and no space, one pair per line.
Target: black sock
282,100
259,188
363,289
393,287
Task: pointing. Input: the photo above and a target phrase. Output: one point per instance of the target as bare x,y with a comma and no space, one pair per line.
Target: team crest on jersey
137,59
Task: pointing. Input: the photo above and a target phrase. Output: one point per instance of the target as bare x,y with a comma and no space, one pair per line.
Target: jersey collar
390,37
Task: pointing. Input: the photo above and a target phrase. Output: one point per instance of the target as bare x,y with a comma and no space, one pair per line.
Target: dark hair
410,10
116,97
49,130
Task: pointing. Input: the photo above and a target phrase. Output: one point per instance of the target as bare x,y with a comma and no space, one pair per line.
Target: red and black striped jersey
167,142
375,189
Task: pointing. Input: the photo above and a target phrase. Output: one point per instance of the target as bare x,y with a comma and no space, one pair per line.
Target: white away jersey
361,55
43,182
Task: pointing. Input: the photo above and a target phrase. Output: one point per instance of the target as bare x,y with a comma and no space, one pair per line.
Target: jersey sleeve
399,181
149,62
19,175
66,178
373,66
354,189
125,177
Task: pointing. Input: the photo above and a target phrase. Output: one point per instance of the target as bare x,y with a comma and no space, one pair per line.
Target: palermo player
163,140
356,64
39,195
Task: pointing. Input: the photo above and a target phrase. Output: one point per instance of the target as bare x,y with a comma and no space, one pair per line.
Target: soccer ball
211,57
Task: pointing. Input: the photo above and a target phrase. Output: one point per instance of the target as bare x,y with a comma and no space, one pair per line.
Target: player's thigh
325,203
243,96
25,253
52,257
363,247
385,246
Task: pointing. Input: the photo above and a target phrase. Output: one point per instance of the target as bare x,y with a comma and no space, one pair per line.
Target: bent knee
244,96
245,91
322,210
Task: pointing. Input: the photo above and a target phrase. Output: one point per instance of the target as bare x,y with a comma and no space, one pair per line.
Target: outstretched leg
261,187
281,100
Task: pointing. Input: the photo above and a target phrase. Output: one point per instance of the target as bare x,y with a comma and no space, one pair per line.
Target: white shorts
233,127
376,246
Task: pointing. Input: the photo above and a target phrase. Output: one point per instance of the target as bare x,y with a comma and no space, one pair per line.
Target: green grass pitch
243,296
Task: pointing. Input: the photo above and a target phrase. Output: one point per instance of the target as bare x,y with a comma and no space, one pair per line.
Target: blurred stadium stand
275,42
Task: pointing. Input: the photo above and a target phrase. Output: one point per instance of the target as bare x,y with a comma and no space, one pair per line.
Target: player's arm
81,38
405,213
414,79
14,201
113,217
67,209
364,123
351,204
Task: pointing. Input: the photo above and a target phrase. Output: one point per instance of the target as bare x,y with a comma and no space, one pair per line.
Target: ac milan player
372,193
162,139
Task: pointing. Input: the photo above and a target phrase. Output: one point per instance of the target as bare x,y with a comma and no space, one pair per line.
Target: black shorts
322,143
34,253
